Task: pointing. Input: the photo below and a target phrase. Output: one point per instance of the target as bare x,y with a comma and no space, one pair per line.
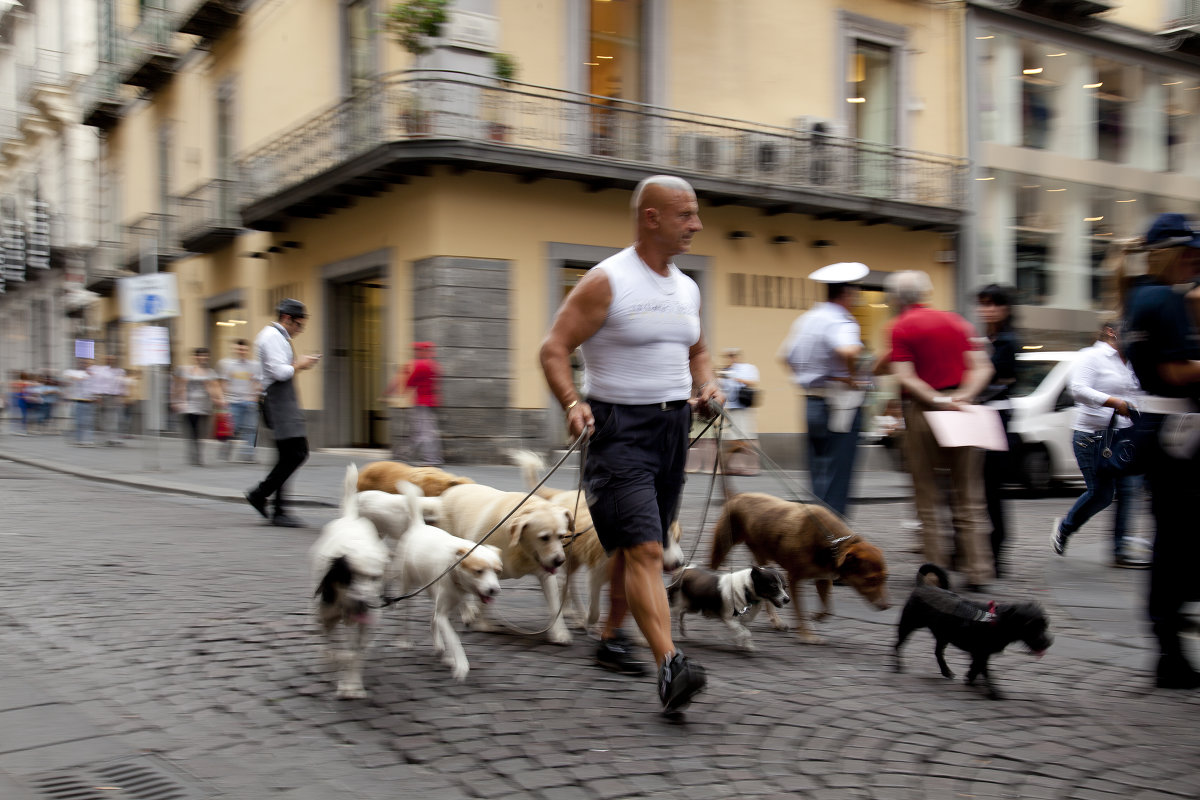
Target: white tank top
640,353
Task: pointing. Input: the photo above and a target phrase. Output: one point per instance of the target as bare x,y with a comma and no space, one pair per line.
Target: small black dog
981,629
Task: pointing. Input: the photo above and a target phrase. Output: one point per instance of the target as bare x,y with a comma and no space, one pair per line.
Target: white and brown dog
348,565
729,597
584,550
455,570
530,540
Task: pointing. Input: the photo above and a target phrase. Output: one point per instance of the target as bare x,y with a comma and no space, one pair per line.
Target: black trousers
292,453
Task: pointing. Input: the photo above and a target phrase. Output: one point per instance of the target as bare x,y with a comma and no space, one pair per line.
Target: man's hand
705,395
579,416
307,362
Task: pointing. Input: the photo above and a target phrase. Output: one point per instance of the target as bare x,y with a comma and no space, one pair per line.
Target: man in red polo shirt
940,367
424,377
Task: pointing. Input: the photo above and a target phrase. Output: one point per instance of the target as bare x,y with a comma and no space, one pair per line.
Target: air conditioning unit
827,152
765,156
699,152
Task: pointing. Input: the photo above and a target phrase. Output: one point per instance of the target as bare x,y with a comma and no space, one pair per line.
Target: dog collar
989,616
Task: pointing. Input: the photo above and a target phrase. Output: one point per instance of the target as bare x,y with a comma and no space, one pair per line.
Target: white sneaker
1058,539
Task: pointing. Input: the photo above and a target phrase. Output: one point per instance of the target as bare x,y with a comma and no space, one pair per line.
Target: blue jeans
831,454
85,422
245,426
1100,492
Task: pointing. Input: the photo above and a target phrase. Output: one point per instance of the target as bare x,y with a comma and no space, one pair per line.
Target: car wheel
1036,469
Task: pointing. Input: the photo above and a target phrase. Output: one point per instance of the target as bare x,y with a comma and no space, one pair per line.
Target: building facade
1084,122
262,149
47,183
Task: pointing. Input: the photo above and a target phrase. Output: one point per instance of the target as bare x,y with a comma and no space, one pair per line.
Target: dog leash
388,600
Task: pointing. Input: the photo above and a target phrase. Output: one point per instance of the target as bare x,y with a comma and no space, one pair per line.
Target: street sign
145,298
149,346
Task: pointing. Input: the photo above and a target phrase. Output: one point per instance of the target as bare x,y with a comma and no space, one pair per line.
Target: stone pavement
189,662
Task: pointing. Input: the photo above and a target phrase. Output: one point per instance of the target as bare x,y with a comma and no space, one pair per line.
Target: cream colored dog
530,541
584,551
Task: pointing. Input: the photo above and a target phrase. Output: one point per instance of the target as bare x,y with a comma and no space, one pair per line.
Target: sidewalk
161,465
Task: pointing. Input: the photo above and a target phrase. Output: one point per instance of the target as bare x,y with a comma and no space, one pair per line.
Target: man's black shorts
634,471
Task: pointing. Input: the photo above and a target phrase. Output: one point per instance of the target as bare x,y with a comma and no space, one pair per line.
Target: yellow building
269,148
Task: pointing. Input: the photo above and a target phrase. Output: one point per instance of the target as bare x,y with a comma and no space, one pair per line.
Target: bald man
636,318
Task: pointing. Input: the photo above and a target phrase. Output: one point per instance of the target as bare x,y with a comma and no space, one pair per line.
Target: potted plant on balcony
504,69
414,24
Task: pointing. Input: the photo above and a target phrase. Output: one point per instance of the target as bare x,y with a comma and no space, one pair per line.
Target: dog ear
515,529
846,559
337,575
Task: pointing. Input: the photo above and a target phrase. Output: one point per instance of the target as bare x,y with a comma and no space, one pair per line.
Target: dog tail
350,492
414,495
531,465
943,580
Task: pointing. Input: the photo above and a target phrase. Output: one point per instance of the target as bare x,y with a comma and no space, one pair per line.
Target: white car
1042,423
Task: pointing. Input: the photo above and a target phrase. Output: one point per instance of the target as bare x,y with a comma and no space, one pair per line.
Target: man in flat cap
822,350
281,408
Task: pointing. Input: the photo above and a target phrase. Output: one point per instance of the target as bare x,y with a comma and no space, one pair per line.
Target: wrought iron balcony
211,18
208,216
406,122
152,236
43,81
100,98
104,268
150,57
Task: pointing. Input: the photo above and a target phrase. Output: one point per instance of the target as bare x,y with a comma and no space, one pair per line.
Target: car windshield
1030,375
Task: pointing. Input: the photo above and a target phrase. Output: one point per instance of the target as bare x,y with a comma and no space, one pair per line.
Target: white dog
422,554
530,541
585,551
390,512
348,564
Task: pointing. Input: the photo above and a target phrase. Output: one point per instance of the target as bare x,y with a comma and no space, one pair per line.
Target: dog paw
808,637
821,615
747,646
780,625
559,635
459,671
351,690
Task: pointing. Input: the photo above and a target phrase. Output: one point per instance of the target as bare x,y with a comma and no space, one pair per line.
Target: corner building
262,149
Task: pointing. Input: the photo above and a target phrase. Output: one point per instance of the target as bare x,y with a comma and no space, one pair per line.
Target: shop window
1042,70
1180,98
1114,94
1033,233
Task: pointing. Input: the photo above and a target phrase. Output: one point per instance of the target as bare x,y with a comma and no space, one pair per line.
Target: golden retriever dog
810,542
530,541
584,550
382,476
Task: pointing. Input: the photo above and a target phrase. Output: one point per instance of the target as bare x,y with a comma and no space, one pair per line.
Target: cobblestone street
174,634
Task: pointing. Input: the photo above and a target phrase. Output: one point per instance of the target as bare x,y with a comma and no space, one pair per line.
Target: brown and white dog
810,542
348,562
530,541
382,476
584,550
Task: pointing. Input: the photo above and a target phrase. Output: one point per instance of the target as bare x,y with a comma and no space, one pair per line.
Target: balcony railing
210,18
104,267
520,118
45,74
208,216
100,98
150,55
153,236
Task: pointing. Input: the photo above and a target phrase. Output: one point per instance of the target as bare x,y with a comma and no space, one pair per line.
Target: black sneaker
259,503
1058,539
679,681
615,654
282,520
1176,673
1128,562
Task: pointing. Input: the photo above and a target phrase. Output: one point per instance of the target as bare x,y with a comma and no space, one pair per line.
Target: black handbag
1123,451
747,396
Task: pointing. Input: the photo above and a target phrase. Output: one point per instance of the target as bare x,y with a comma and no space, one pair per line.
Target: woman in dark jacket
994,307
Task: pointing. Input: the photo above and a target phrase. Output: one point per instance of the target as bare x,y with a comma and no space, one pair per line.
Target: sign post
149,298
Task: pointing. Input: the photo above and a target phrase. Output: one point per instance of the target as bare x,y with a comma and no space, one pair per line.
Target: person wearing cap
424,377
281,408
1161,341
636,319
936,358
822,351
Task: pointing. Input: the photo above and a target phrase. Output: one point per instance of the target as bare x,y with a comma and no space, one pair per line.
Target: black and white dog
981,629
727,596
348,563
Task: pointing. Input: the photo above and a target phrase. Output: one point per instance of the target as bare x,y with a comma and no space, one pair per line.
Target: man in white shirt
80,392
822,350
109,386
281,407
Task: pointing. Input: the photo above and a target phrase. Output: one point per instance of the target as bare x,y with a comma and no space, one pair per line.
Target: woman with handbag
1104,387
739,382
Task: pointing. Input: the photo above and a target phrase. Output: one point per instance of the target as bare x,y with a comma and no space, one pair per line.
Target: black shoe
284,521
1128,562
1176,673
259,503
615,654
679,681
